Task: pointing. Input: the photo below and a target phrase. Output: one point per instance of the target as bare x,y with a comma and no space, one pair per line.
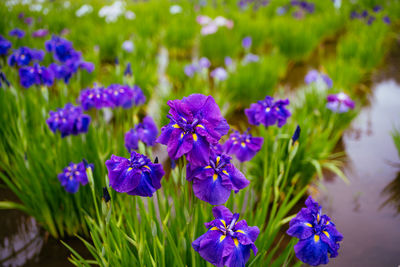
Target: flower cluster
72,175
68,120
135,176
17,33
36,75
320,79
339,103
145,131
317,233
5,45
70,59
213,182
24,56
193,68
195,124
113,96
244,146
227,241
210,26
369,18
304,6
268,112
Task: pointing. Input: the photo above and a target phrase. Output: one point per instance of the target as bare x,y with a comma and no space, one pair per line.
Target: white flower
128,46
175,9
111,13
130,15
85,9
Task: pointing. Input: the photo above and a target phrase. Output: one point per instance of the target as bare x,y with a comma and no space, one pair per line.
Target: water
371,228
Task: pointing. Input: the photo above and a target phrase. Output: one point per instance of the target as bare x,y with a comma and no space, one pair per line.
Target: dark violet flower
321,80
5,45
386,19
128,70
62,49
106,195
28,20
354,15
317,235
145,131
339,103
308,7
68,120
219,74
364,14
244,146
195,124
268,112
134,176
377,8
227,241
40,33
204,63
214,182
17,33
36,75
296,135
94,98
23,56
138,96
370,20
73,175
246,42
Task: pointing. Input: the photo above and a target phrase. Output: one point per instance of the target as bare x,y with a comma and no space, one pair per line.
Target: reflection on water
365,210
392,194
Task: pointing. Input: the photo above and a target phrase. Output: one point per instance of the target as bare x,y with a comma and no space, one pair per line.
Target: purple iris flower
244,146
251,58
268,112
214,182
28,20
227,241
364,14
314,76
377,8
36,75
93,98
145,131
296,135
228,61
190,70
246,42
317,235
40,33
135,176
354,15
138,96
308,7
128,70
339,103
386,19
62,49
204,63
370,20
23,56
219,74
5,45
68,120
17,33
73,175
195,124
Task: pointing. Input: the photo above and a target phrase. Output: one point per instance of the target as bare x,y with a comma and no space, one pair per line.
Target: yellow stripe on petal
222,238
146,167
236,242
223,222
218,159
129,169
308,224
195,137
318,217
176,126
239,231
182,135
316,238
200,126
215,176
214,228
207,167
326,233
225,172
243,144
